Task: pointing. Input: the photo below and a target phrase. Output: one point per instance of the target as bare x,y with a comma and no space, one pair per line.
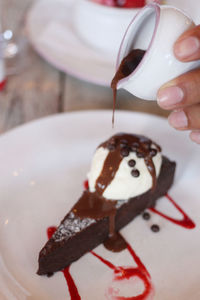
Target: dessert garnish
128,174
146,216
122,273
155,228
98,204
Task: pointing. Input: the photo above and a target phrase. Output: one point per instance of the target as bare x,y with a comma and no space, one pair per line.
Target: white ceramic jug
154,29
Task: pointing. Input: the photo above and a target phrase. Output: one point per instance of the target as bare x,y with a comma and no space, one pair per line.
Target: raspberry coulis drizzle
122,273
185,222
2,84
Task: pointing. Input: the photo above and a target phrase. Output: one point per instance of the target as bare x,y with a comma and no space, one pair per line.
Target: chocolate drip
127,66
94,205
151,168
122,144
109,170
91,205
117,240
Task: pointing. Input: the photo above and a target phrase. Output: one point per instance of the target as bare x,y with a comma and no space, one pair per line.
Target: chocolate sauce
117,240
127,66
94,205
120,273
122,145
125,273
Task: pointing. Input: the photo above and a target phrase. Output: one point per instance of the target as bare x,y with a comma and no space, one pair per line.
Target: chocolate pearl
146,215
147,145
134,146
134,149
140,154
131,163
153,152
155,228
124,152
124,142
49,274
135,173
144,140
111,147
122,145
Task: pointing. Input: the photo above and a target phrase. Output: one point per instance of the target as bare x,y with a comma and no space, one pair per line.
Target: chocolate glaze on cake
93,218
122,144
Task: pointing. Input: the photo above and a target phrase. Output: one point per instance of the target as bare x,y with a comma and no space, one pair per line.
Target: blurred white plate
43,165
52,34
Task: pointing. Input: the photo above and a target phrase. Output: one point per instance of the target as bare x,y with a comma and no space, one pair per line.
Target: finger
187,47
189,118
195,136
180,92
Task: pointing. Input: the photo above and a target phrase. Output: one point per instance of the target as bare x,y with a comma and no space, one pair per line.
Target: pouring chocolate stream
127,66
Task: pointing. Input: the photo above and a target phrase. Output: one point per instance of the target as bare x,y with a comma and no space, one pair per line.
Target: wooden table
39,89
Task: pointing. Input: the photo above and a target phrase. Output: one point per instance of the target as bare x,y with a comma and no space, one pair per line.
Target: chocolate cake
125,165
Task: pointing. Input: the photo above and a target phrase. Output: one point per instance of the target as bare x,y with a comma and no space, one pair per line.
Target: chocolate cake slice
99,212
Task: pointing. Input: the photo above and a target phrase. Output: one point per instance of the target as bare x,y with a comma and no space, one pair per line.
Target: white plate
53,36
43,165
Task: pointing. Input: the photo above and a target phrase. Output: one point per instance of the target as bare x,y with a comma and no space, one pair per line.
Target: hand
182,94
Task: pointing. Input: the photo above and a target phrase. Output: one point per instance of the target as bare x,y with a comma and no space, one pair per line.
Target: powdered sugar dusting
73,224
70,226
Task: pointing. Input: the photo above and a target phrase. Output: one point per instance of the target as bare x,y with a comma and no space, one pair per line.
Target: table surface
39,90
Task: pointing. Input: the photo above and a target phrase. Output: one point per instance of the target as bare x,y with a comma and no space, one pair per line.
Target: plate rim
79,75
79,112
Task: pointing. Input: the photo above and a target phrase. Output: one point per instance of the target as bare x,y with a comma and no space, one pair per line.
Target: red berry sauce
2,84
185,222
125,273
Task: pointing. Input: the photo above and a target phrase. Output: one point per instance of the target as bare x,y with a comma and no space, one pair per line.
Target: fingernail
170,96
178,119
187,47
195,136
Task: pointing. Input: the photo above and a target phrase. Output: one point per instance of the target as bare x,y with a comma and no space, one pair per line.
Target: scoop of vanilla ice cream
124,185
